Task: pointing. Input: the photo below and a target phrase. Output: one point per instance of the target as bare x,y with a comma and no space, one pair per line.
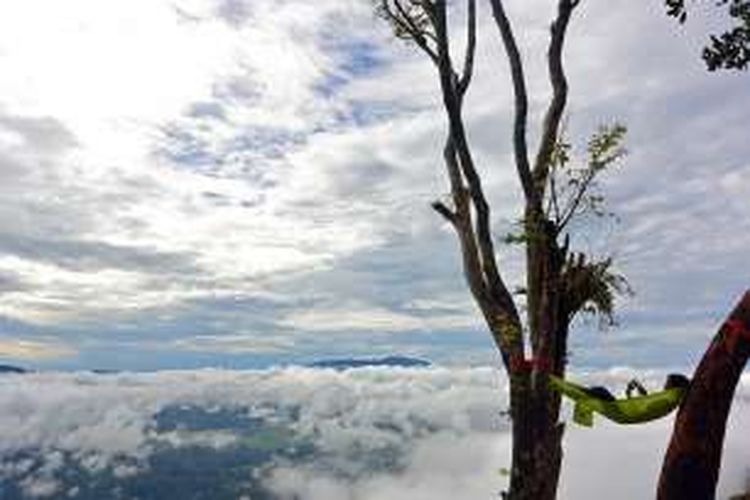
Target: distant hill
11,369
395,361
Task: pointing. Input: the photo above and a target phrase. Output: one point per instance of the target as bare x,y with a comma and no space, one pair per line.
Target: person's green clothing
623,411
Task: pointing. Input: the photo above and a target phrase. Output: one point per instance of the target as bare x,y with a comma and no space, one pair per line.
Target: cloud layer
373,433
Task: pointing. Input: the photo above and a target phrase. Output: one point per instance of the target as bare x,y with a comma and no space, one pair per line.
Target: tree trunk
691,465
537,456
537,434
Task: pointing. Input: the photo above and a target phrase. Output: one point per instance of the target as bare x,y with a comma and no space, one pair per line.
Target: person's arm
635,385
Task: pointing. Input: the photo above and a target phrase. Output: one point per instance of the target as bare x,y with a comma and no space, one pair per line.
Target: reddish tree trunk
691,465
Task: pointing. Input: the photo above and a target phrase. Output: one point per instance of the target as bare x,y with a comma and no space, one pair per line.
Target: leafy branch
727,50
572,191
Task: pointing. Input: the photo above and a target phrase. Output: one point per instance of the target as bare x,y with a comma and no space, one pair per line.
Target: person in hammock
629,410
674,380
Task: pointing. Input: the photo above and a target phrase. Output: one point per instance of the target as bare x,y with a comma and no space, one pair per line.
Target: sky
440,427
244,183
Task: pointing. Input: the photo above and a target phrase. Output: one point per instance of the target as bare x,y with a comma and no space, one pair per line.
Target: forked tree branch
457,186
473,226
425,23
452,101
444,211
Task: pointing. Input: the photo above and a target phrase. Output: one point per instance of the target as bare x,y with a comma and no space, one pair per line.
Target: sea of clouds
442,430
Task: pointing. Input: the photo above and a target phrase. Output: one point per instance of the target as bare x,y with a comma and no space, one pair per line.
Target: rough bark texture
691,465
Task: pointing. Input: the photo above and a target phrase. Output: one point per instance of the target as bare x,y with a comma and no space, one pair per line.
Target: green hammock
623,411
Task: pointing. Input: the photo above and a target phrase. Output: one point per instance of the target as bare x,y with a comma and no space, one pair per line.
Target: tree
691,465
730,49
693,459
560,283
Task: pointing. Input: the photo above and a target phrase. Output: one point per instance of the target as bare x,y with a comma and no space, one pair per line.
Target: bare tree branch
521,102
480,265
471,45
572,206
446,212
473,226
456,182
559,94
454,171
452,102
460,218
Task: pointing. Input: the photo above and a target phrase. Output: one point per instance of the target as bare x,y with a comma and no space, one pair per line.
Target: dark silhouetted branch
559,83
471,46
521,104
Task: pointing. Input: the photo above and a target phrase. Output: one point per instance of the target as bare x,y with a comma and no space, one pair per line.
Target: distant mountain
11,369
394,361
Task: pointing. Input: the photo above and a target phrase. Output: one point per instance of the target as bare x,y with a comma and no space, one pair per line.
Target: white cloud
40,488
233,344
350,317
440,467
442,427
107,81
92,65
27,349
176,439
449,465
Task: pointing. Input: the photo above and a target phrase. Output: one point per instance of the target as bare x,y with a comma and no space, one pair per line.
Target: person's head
676,380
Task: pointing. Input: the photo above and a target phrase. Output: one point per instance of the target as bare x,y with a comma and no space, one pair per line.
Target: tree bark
693,459
537,456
